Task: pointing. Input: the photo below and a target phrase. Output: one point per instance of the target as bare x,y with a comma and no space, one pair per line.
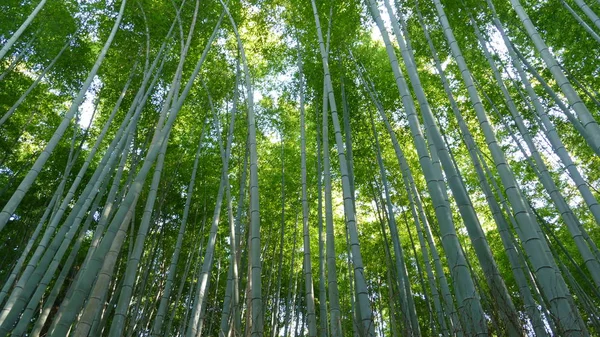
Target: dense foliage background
240,168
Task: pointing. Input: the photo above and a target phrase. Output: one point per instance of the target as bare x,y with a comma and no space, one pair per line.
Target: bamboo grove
299,168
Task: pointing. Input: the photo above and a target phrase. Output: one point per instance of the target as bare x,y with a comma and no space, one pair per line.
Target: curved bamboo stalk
11,41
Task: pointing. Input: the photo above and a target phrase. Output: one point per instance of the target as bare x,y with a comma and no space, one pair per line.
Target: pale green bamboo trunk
34,280
17,58
307,264
203,279
255,246
551,132
588,121
468,300
589,12
553,285
494,207
411,326
31,176
323,322
367,324
331,256
230,312
35,83
84,283
542,171
164,300
581,22
409,187
126,289
11,41
503,300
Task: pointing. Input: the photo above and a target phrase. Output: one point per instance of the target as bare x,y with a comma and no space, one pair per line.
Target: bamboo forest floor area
320,168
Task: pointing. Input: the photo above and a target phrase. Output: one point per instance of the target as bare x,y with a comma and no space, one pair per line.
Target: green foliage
275,33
